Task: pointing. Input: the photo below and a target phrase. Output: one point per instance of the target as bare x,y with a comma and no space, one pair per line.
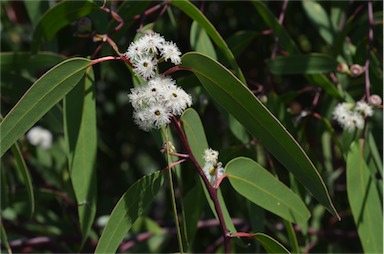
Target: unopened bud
342,68
375,100
356,70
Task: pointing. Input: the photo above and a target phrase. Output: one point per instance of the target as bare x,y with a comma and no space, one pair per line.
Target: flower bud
342,68
375,100
356,70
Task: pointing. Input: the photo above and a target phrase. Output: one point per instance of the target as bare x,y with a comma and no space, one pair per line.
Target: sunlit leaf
131,206
48,90
255,183
364,200
81,137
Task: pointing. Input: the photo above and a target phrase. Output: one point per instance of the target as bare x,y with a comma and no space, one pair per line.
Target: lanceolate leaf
43,95
239,101
270,244
130,207
364,200
259,186
302,64
21,166
58,17
81,137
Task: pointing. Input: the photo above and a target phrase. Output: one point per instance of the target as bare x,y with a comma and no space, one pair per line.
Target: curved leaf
255,183
270,244
364,200
58,17
239,101
48,90
192,11
21,166
302,64
200,41
81,137
131,206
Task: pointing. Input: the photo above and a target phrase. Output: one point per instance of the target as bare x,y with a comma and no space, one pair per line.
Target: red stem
211,190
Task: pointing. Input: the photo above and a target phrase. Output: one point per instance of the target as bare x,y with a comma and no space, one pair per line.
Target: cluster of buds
158,99
351,116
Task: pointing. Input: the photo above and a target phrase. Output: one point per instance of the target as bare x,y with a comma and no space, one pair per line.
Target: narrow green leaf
81,137
192,11
319,19
200,41
239,101
270,244
292,236
131,206
48,90
4,239
240,41
364,200
21,166
302,64
197,140
326,84
255,183
58,17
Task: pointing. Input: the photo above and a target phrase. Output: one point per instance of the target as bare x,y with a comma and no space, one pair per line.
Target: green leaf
48,90
81,137
197,140
255,183
320,20
302,64
239,101
326,84
240,41
192,11
364,200
4,238
200,41
58,17
21,166
131,206
270,244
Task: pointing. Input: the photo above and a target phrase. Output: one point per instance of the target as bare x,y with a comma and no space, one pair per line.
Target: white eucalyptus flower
364,108
39,136
170,51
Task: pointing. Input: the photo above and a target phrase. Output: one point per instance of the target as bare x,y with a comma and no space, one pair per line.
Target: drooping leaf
58,17
21,166
255,183
131,206
238,100
81,137
319,19
192,11
270,244
302,64
48,90
364,200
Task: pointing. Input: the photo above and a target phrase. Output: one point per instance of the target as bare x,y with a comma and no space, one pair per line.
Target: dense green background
125,153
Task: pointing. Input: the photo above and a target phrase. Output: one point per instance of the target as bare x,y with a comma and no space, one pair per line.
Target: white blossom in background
212,169
39,136
146,52
351,116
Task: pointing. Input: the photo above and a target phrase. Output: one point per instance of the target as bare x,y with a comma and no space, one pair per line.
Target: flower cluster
156,101
39,136
351,116
213,169
149,50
